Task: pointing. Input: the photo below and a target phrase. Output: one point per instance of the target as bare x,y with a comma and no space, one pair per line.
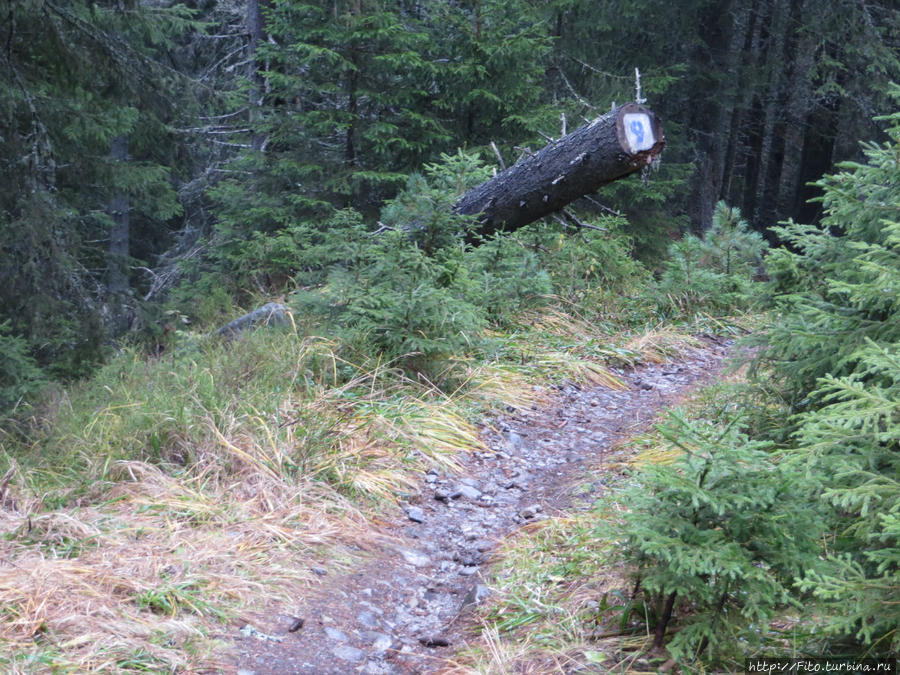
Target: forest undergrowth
147,507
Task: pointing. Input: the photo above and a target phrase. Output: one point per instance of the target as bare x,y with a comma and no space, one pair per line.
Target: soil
406,610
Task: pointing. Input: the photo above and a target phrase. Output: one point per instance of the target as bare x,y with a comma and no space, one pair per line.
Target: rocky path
404,612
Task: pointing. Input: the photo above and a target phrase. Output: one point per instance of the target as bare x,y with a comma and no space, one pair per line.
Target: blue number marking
638,130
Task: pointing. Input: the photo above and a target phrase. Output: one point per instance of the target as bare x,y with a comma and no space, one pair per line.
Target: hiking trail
404,611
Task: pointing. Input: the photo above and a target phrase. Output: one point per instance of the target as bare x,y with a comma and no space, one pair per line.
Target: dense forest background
165,157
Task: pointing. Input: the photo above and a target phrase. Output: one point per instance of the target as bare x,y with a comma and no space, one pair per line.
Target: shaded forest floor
419,602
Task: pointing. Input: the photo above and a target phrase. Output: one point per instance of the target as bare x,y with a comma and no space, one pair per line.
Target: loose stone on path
406,608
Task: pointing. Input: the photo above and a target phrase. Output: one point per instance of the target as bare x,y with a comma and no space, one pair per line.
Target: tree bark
255,32
117,272
659,632
798,105
612,146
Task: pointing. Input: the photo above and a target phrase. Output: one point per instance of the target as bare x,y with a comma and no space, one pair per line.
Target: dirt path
405,610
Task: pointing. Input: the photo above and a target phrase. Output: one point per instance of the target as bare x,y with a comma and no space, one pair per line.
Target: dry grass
661,344
139,568
207,488
552,609
145,576
498,386
558,346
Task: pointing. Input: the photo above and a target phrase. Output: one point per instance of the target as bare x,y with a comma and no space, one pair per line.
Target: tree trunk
120,233
255,30
270,314
117,273
769,155
717,51
659,633
799,103
611,147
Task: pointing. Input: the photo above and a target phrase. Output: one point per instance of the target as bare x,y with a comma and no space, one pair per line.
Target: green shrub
852,443
834,347
507,278
713,273
715,537
403,302
838,285
20,376
424,208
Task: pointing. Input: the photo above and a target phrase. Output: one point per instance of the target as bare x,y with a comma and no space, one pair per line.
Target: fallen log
270,314
612,146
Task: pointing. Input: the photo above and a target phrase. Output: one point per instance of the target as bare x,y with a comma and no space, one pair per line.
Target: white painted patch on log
638,131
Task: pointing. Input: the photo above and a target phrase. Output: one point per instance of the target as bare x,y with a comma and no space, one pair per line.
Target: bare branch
603,207
499,156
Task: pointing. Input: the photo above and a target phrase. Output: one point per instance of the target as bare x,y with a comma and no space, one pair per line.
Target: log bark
270,314
611,147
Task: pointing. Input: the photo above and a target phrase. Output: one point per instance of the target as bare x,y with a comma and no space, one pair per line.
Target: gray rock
270,314
336,635
471,482
530,511
380,641
466,491
321,571
415,558
476,595
367,619
378,668
415,514
351,654
468,558
513,440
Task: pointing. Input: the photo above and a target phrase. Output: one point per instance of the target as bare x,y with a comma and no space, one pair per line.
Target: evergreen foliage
109,107
347,98
135,150
714,272
70,67
19,374
836,285
415,286
716,533
493,57
853,444
834,342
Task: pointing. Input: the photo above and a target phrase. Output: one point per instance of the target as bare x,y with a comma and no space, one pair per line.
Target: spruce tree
834,343
715,537
80,79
